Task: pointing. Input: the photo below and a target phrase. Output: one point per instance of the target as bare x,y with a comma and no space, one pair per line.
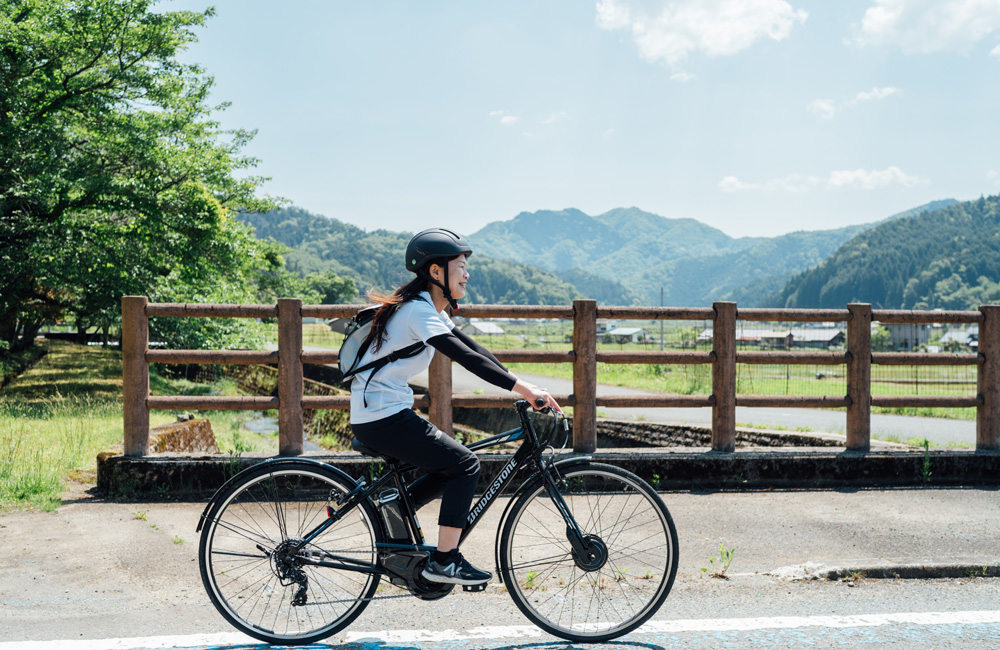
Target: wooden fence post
290,427
439,388
859,377
585,376
724,377
135,375
988,381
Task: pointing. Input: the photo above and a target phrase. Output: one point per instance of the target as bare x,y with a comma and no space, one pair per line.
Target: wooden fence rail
584,357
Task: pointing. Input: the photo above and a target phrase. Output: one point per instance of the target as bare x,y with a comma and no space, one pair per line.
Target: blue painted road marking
979,629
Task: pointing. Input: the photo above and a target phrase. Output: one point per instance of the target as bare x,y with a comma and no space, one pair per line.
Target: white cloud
827,108
671,31
874,94
822,108
733,184
993,176
923,26
682,77
607,135
857,179
555,117
505,119
995,52
870,180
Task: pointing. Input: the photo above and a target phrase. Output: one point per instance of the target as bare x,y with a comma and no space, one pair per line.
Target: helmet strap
444,287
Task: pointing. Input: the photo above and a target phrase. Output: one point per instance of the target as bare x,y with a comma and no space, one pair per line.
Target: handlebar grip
540,402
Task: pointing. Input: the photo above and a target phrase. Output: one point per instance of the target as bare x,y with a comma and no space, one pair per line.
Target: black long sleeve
475,346
481,365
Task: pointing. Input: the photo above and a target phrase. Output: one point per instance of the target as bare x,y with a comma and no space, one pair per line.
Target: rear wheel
260,573
613,581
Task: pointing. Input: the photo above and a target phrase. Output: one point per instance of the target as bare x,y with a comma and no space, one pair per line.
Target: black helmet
434,244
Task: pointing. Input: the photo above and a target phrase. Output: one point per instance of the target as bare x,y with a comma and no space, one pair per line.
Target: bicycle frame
529,453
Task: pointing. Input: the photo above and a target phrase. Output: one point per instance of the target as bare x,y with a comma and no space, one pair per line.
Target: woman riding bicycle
381,400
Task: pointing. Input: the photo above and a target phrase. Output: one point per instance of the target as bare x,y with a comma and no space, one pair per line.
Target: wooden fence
289,358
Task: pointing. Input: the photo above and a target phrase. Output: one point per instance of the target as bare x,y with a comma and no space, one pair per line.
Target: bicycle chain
369,599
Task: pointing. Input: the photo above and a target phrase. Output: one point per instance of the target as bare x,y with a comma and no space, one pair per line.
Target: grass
720,564
918,442
13,364
58,415
54,419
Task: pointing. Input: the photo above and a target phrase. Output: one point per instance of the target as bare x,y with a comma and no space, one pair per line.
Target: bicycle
293,550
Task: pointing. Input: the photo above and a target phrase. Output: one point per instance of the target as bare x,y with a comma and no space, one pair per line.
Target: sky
756,117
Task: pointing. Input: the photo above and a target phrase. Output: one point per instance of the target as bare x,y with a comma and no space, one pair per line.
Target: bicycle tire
597,604
252,584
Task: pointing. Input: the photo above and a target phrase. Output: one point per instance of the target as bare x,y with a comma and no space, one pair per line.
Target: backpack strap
376,365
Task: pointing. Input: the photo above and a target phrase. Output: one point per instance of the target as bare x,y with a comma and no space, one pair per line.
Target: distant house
817,337
798,337
908,336
753,336
625,335
605,324
476,327
961,338
763,337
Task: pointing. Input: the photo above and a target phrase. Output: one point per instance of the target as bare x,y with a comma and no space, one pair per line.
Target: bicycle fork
590,552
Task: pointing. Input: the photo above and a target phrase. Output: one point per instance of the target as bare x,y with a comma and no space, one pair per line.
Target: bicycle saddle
363,449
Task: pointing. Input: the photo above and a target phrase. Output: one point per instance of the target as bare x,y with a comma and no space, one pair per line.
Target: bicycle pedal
480,587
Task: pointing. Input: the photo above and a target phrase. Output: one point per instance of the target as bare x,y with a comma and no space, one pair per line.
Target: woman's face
458,276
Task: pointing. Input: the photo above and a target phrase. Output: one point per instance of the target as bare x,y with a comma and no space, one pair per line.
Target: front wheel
614,580
263,576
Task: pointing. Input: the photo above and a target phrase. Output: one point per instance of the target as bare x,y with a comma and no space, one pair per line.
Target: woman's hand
533,393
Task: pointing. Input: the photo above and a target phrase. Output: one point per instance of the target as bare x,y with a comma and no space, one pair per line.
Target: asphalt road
118,575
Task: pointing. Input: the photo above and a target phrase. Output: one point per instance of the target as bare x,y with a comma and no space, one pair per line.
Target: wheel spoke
254,560
622,518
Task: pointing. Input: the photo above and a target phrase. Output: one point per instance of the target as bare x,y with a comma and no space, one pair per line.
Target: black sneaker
457,571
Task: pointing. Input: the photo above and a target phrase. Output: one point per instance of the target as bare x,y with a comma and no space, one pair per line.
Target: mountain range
693,264
942,254
948,259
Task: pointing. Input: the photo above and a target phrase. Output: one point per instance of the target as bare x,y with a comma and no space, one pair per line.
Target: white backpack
355,344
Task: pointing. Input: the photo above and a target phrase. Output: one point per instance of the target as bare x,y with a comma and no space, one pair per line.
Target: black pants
452,470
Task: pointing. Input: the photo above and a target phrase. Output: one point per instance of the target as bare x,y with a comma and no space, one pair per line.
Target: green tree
114,178
331,288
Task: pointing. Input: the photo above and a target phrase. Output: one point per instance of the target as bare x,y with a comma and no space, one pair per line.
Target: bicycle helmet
435,245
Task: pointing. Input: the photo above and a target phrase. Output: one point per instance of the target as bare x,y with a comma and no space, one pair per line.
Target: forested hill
947,258
693,263
374,260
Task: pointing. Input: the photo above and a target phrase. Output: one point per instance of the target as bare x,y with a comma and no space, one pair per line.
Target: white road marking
187,640
416,636
789,622
693,625
529,631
